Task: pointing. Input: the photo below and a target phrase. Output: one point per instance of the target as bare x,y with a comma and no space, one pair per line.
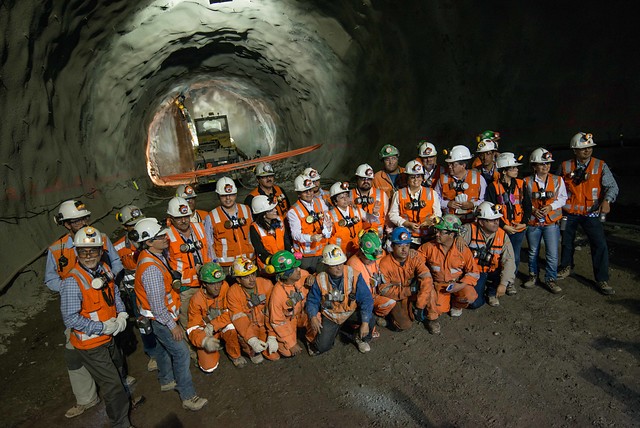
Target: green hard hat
449,222
388,150
370,245
282,261
211,272
488,135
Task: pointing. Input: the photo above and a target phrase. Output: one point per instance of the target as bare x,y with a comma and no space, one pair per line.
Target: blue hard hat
400,235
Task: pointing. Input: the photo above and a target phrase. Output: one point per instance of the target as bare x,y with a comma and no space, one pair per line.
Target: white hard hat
333,255
339,187
226,186
488,211
486,145
540,155
414,167
264,169
178,207
185,191
582,140
129,215
364,171
311,173
506,159
70,210
261,204
426,149
302,183
146,229
88,236
458,153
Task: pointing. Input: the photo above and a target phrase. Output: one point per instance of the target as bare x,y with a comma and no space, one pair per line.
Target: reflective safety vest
339,312
583,197
277,197
382,181
346,229
231,242
185,262
310,249
366,202
411,209
430,179
171,297
94,307
272,240
449,192
64,247
496,248
552,188
513,215
127,253
198,216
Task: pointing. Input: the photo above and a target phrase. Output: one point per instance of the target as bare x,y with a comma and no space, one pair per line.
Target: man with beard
367,197
267,187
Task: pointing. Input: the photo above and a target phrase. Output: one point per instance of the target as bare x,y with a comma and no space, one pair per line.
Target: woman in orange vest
548,194
268,233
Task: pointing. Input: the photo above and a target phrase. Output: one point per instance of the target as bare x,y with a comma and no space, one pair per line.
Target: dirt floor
536,360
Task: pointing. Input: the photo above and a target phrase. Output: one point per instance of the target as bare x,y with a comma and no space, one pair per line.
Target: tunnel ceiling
82,80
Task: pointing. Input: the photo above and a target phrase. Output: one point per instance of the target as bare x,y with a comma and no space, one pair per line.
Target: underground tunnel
87,89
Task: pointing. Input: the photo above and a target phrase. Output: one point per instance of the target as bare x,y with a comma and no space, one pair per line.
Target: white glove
462,197
257,345
211,344
109,327
208,330
272,343
122,322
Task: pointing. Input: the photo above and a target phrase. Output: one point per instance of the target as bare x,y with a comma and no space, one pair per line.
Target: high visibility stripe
228,328
195,327
238,316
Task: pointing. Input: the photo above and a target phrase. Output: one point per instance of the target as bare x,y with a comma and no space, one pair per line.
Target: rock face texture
80,82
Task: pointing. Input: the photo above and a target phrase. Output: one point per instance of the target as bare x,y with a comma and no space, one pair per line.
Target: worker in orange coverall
247,300
210,320
286,304
454,273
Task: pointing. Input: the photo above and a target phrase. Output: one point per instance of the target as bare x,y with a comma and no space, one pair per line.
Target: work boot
257,359
79,409
363,346
531,282
493,301
433,326
239,362
312,349
564,272
553,286
605,288
168,386
152,365
456,312
511,290
195,403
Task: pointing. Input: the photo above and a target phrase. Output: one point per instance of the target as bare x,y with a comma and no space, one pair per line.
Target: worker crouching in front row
333,300
210,320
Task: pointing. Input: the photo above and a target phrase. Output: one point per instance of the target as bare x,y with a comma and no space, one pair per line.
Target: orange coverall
381,305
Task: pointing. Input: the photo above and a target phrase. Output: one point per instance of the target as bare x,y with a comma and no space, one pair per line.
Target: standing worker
187,192
367,197
267,187
487,151
427,154
319,192
390,178
268,233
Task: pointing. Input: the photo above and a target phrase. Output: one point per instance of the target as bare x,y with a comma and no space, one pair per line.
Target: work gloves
122,322
109,327
208,330
211,344
257,345
272,343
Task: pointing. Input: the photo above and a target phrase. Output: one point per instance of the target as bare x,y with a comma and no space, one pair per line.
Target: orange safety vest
310,249
339,311
366,202
127,253
64,247
185,263
449,192
413,211
430,180
497,246
94,306
199,216
583,198
382,181
516,201
232,242
272,240
346,229
277,197
552,188
171,297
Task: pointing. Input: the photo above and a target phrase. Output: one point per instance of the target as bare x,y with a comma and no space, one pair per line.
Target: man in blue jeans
591,189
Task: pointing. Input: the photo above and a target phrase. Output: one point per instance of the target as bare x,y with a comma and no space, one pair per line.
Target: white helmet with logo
414,167
88,236
226,186
185,191
582,140
364,171
506,160
261,204
129,215
332,255
303,183
264,169
488,211
458,153
145,229
71,210
540,155
311,173
426,150
486,145
178,207
339,187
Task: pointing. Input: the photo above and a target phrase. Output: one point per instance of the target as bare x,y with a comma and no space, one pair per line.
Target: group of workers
267,278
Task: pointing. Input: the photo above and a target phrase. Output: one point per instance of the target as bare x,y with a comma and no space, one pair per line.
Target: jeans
516,242
551,236
327,336
595,233
488,282
173,361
